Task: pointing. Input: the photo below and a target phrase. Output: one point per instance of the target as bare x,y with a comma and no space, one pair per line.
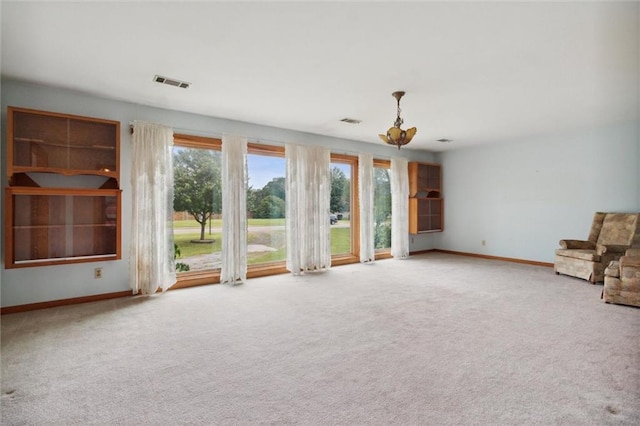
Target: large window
197,203
266,241
198,209
344,211
382,206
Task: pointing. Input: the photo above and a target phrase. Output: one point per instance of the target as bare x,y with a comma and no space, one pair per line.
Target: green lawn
340,243
340,240
217,223
189,249
266,257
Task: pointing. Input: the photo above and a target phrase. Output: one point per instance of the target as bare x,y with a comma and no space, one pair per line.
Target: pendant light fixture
395,135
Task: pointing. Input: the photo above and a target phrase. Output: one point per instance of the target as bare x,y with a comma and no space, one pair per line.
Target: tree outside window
382,208
197,205
197,184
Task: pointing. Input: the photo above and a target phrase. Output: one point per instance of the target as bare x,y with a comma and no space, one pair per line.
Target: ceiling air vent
171,81
351,120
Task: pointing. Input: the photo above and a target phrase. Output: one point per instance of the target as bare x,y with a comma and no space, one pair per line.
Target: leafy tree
382,208
339,182
271,207
275,186
252,201
346,196
197,184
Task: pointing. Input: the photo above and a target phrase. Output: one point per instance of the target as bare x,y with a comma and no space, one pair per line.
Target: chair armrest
613,269
612,249
577,244
632,252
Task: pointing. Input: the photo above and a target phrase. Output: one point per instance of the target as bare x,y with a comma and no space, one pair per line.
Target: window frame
267,268
212,276
354,256
207,276
382,253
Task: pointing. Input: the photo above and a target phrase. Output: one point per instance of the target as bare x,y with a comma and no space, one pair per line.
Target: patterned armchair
622,280
611,235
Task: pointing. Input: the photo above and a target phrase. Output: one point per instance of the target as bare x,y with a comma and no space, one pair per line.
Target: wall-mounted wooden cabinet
48,224
426,212
49,142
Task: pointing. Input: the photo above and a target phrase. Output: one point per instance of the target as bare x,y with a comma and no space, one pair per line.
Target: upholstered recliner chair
622,280
611,235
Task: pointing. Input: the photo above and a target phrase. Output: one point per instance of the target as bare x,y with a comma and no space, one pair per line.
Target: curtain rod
251,139
192,132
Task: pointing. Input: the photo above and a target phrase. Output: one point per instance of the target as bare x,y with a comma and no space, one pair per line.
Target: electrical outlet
411,240
97,273
484,243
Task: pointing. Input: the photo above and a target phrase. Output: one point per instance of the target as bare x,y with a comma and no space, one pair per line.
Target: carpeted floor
436,339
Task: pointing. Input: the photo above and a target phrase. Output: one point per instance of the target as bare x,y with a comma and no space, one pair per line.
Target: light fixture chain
399,119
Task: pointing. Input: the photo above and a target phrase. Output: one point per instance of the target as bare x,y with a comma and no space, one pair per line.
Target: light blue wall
521,198
45,283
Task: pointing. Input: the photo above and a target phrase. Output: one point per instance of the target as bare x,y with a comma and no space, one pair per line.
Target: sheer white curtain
366,191
234,210
308,189
399,208
151,262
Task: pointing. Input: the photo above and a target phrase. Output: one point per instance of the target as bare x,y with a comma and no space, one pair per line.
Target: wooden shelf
61,260
65,172
62,145
53,225
47,226
426,204
66,144
89,225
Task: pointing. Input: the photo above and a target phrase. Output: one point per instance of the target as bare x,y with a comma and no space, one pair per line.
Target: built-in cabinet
61,223
426,213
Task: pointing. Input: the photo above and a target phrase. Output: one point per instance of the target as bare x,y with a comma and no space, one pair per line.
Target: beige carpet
433,340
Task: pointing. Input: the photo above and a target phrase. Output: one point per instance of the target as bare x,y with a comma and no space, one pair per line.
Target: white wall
45,283
522,198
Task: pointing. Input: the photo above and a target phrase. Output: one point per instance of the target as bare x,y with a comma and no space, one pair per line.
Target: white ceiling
474,72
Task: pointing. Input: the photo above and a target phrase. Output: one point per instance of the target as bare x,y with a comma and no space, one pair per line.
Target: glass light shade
395,133
410,133
397,136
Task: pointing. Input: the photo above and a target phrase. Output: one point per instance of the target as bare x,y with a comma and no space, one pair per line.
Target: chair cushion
630,261
589,255
618,228
633,252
